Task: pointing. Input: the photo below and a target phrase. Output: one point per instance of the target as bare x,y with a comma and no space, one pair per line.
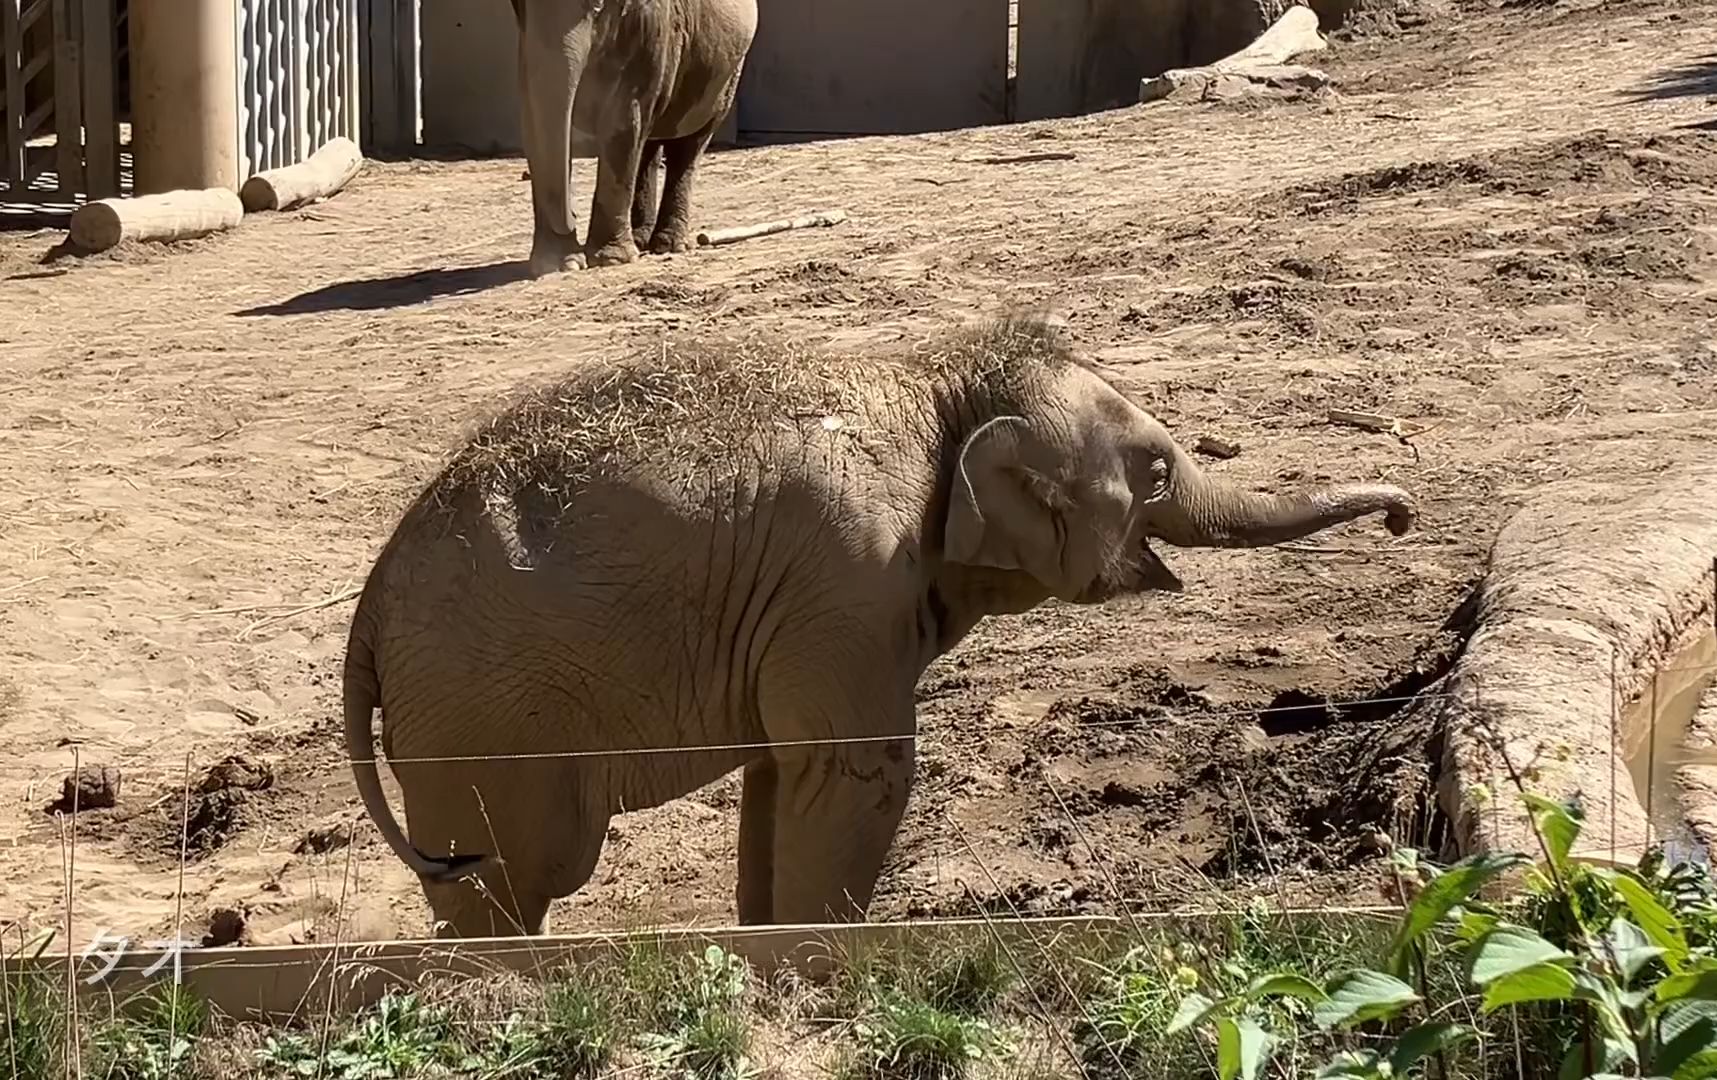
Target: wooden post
68,98
100,101
184,95
12,78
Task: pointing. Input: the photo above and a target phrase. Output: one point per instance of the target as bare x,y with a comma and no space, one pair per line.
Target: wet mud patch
228,798
1161,792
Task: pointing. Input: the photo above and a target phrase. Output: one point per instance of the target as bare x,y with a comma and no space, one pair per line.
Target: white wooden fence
298,78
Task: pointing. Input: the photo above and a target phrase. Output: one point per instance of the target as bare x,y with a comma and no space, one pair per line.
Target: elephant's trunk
1204,512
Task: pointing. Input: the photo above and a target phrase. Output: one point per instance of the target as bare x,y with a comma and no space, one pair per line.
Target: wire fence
1646,745
1656,755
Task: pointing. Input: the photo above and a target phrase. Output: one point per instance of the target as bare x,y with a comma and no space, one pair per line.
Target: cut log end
173,215
318,176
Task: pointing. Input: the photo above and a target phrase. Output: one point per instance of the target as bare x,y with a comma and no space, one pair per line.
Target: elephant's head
1072,491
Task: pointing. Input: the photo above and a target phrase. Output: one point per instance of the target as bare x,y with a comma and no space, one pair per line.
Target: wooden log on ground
172,215
316,177
714,237
1261,67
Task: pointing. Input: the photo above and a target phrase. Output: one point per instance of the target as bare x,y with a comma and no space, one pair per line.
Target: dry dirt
1503,230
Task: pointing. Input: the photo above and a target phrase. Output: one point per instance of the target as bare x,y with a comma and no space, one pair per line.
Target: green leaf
1474,925
1630,948
1285,984
1538,982
1194,1008
1351,1065
1509,949
1360,996
1701,1066
1687,1032
1425,1040
1700,985
1443,894
1660,925
1558,827
1242,1048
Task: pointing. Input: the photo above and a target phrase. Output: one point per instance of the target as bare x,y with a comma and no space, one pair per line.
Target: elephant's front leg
836,812
817,819
609,241
554,43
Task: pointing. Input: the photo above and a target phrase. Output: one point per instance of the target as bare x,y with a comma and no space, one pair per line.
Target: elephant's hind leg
527,817
644,198
609,239
674,223
490,904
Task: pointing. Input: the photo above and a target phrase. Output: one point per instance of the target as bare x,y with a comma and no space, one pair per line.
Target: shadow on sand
399,290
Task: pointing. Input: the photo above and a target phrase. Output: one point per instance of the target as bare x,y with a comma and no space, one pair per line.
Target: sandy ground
1501,231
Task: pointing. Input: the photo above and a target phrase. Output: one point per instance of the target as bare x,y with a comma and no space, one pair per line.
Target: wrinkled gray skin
789,583
653,79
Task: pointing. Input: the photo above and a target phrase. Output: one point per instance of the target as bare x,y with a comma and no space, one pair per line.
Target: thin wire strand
1158,713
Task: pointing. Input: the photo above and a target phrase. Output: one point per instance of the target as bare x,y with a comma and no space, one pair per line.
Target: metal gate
298,78
61,69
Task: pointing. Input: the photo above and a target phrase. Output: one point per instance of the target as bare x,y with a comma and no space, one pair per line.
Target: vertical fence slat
100,101
68,98
11,76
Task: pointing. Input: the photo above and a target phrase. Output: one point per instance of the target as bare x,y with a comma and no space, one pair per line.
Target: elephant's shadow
397,290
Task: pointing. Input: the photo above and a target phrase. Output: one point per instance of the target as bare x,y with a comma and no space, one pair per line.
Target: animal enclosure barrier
298,79
60,65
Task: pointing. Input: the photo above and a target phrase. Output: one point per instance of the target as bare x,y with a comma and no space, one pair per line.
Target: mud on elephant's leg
645,196
674,225
836,812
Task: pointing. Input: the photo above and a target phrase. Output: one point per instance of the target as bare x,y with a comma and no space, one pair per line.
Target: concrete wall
876,67
1079,56
470,76
817,67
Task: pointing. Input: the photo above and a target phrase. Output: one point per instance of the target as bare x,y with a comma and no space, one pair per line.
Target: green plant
399,1037
914,1039
702,1029
152,1041
34,1025
1606,943
579,1024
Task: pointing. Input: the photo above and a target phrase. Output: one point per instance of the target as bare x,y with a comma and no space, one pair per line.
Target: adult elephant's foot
671,240
554,254
641,237
615,252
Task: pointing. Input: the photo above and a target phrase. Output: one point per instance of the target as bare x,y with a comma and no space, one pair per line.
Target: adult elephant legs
554,44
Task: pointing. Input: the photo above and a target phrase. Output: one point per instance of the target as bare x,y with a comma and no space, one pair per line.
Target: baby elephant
726,545
644,79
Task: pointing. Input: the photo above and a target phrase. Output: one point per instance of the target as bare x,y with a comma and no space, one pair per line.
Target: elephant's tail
362,694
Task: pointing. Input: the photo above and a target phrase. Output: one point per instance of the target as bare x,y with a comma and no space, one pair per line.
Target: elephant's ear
996,517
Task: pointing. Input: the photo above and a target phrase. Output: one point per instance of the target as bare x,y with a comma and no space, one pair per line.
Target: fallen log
714,237
1261,68
171,215
318,176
